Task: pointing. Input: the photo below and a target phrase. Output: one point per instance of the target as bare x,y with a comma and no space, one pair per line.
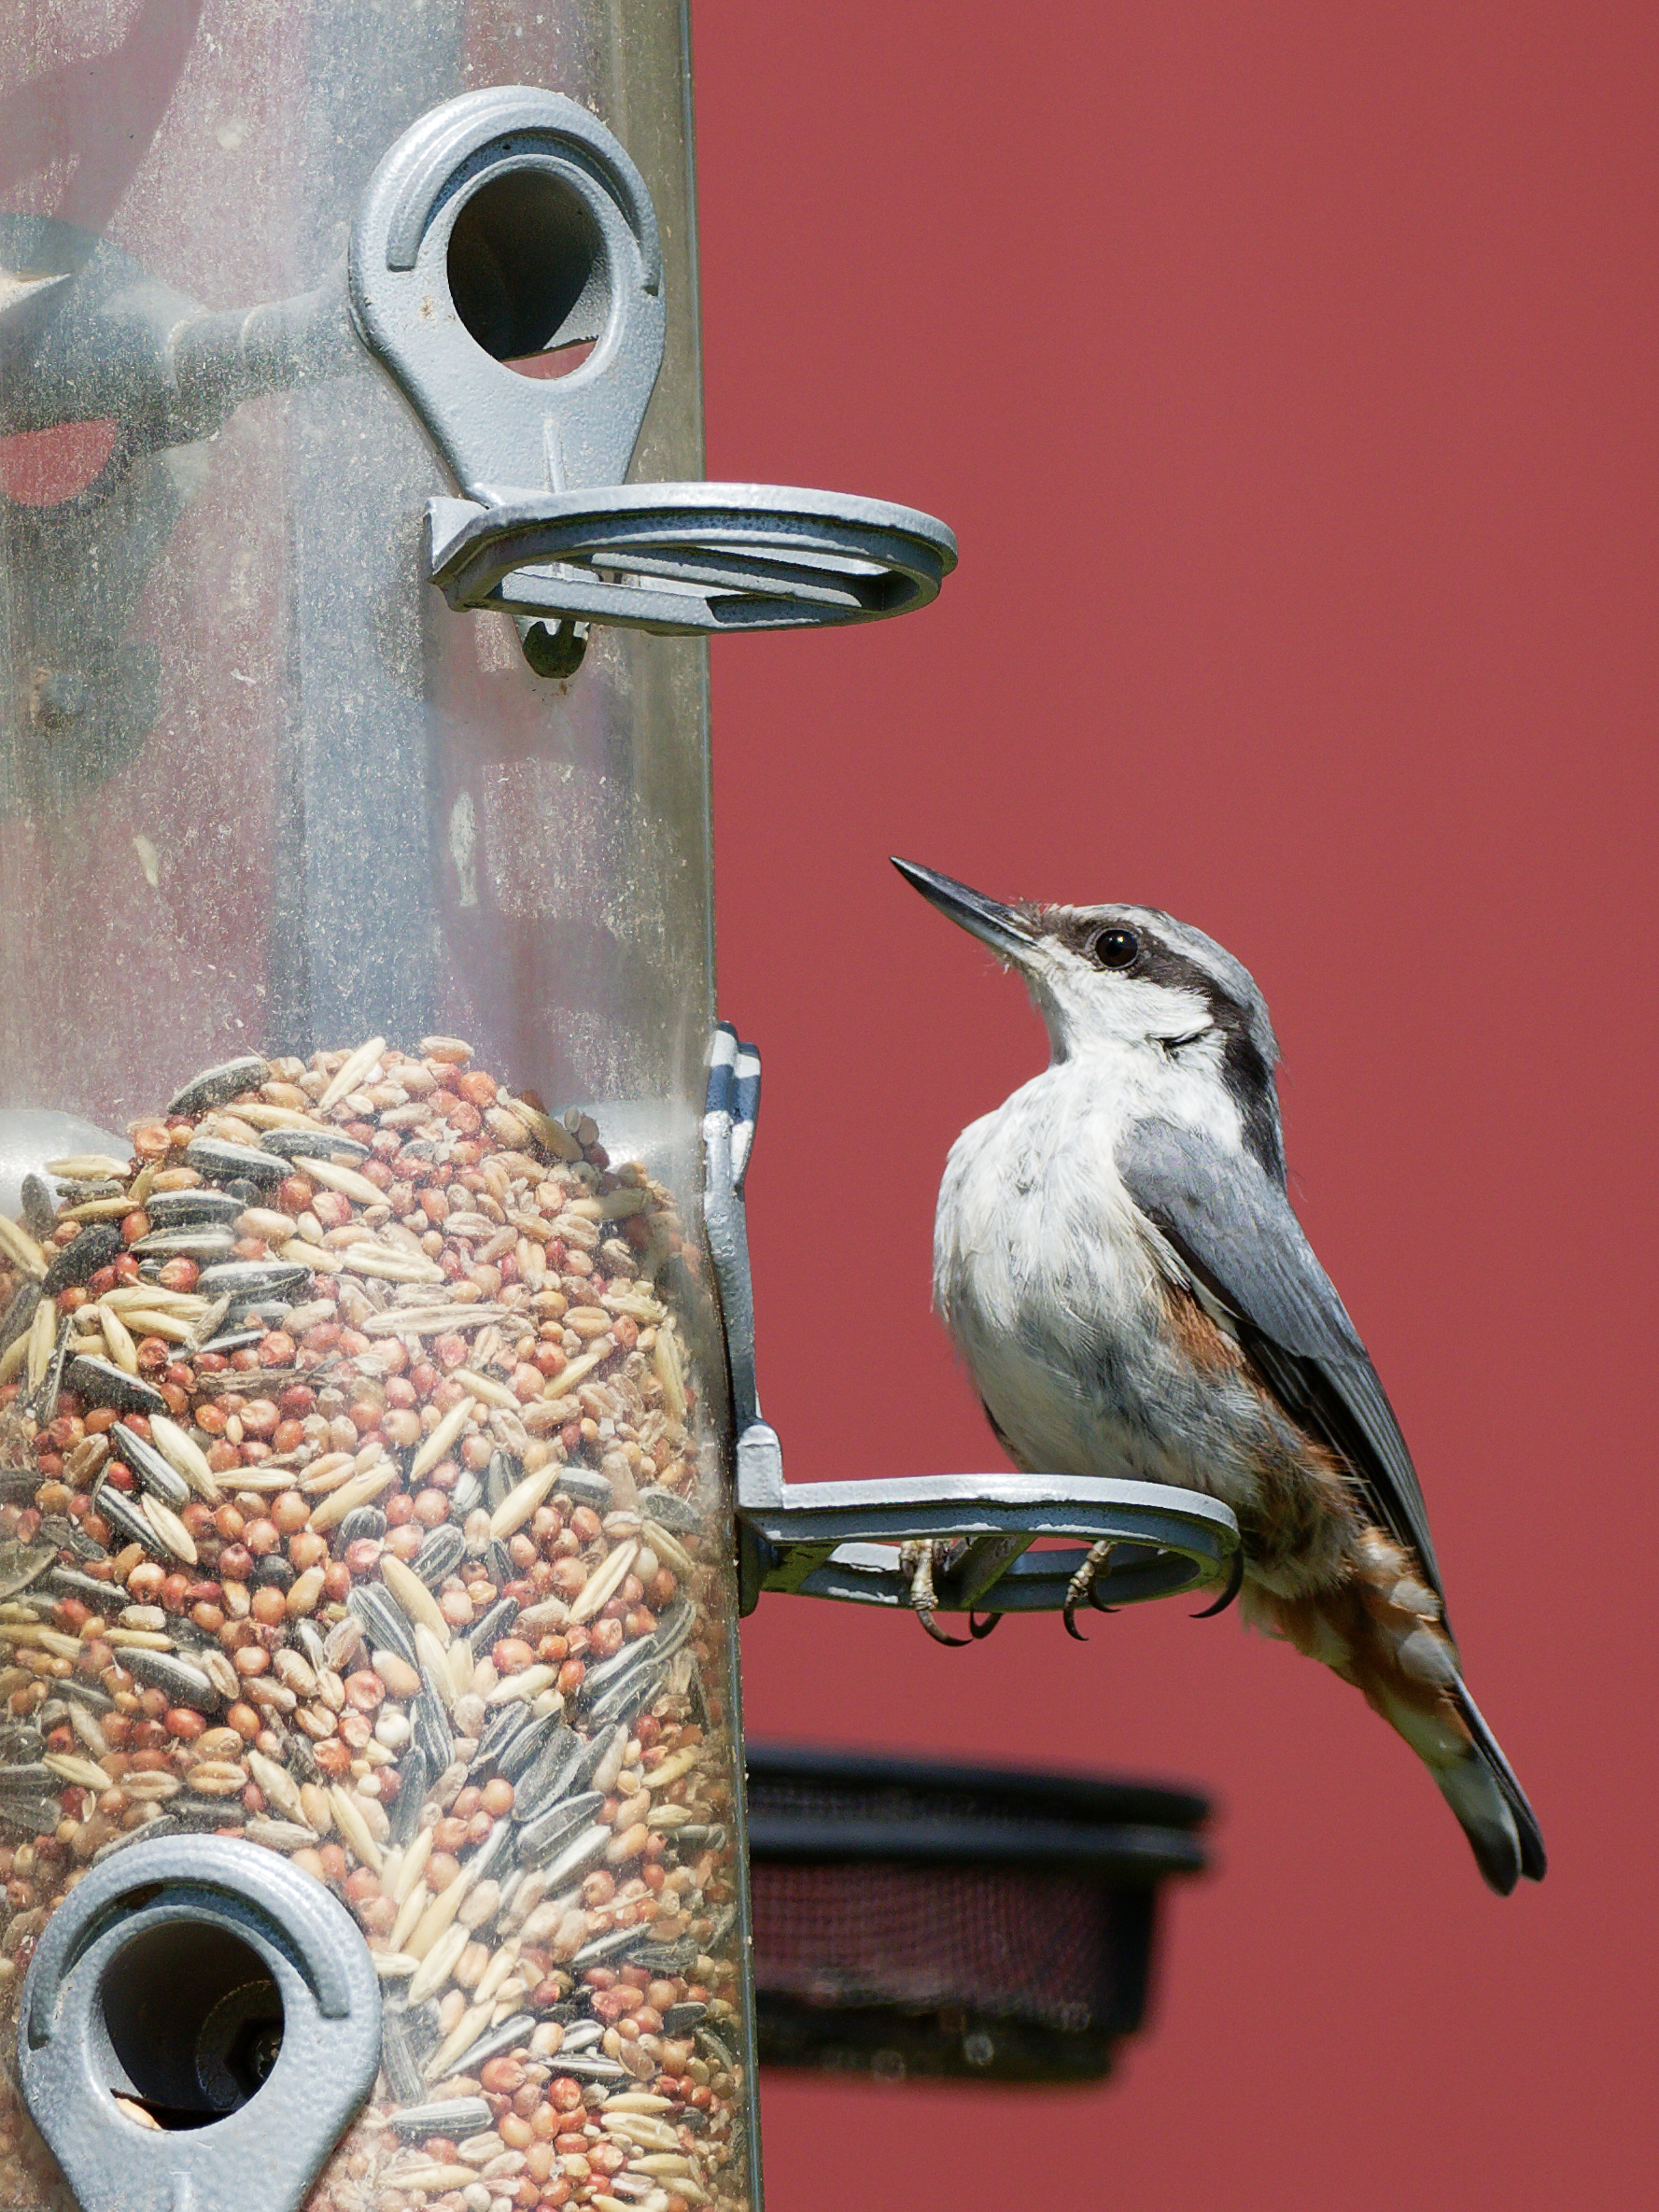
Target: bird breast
1049,1284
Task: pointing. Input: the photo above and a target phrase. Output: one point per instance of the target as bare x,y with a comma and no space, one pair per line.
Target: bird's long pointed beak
994,924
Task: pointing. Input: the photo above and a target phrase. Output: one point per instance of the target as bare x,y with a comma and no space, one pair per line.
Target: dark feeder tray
966,1923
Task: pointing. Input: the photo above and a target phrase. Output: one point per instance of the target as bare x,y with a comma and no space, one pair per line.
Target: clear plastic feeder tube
364,1489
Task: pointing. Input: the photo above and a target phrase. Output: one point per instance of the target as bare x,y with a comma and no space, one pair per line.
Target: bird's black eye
1115,947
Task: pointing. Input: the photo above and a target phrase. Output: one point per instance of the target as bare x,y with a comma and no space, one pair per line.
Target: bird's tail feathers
1529,1842
1382,1633
1484,1813
1468,1770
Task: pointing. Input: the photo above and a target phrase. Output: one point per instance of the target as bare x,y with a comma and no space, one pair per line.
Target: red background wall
1287,374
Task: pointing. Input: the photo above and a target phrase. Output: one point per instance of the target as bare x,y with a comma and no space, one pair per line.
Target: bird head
1128,981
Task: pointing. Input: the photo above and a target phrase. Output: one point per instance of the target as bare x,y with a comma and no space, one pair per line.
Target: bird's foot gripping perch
920,1560
1081,1587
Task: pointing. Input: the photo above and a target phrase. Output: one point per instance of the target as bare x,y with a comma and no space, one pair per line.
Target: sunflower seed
527,1752
40,1213
64,1581
97,1247
21,1565
499,1477
553,1773
100,1381
155,1473
222,1161
698,1835
180,1682
171,1210
33,1816
246,1279
590,2066
601,1760
492,1624
665,1961
204,1242
43,1402
432,1730
509,1723
218,1086
362,1521
625,1700
240,1340
586,1850
314,1144
207,1813
416,1779
614,1943
673,1512
601,1679
584,1486
385,1623
157,1825
454,2117
20,1313
124,1516
86,1693
406,2037
439,1554
18,1781
544,1837
496,2044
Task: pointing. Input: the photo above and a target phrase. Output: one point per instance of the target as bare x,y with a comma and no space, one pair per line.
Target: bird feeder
377,1418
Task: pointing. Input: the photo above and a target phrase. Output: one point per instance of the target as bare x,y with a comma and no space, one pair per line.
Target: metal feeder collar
522,203
153,1983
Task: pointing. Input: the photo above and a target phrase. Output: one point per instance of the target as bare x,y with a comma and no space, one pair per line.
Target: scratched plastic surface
425,1582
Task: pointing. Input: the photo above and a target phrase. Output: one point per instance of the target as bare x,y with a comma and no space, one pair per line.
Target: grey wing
1234,1228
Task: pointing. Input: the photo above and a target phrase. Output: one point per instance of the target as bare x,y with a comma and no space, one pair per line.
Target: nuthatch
1118,1264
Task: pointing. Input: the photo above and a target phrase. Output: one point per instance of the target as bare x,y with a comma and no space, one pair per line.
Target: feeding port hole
529,272
194,2022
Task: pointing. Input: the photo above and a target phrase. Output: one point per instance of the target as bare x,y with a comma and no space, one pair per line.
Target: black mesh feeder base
978,1923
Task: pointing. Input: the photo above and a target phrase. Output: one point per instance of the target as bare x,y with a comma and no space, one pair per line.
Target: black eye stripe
1246,1063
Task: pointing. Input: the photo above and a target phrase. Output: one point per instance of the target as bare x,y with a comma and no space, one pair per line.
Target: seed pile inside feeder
353,1501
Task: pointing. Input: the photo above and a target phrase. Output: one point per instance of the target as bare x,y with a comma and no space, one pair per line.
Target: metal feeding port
509,223
875,1543
199,2022
968,1922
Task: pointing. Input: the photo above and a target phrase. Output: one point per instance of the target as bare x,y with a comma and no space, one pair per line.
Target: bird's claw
979,1630
918,1559
1081,1587
1235,1581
